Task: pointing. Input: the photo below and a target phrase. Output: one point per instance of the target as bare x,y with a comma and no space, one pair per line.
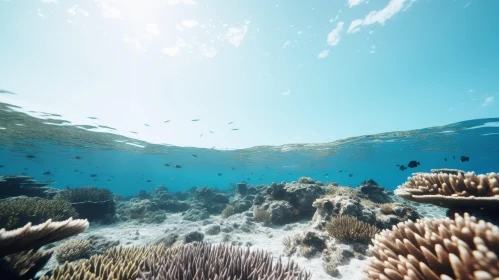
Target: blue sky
281,71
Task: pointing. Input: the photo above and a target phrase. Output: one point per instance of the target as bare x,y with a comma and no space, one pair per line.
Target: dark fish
465,158
251,173
1,166
249,179
75,170
47,173
231,122
6,91
454,157
340,171
167,165
445,159
235,129
146,124
219,174
210,131
177,166
25,168
402,167
233,168
194,155
76,157
277,172
166,121
350,175
326,175
397,164
195,120
312,164
30,156
149,181
93,175
134,132
201,135
92,118
413,164
23,173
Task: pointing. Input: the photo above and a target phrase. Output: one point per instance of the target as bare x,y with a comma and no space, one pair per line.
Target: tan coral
442,249
32,237
450,190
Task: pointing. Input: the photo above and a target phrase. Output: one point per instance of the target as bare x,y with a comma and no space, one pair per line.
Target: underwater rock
394,213
195,215
214,202
241,189
276,191
334,257
212,230
167,240
281,212
227,229
330,206
241,205
193,236
301,196
374,192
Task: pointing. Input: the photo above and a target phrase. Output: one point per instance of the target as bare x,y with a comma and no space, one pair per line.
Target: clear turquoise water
126,169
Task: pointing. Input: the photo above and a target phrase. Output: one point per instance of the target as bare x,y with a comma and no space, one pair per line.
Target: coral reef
218,262
91,203
18,212
350,229
73,250
23,265
211,200
18,185
462,248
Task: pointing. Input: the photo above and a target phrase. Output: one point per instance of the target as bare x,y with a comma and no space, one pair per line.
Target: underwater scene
249,140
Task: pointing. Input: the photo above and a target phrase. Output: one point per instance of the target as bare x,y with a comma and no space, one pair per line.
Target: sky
279,71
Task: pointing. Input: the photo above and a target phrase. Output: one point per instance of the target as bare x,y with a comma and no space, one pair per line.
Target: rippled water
127,165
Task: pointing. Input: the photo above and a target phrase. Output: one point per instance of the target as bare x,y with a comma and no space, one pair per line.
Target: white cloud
49,1
352,3
133,41
175,2
236,35
189,23
381,16
207,51
323,54
488,100
288,92
108,11
354,26
39,12
333,38
171,51
152,29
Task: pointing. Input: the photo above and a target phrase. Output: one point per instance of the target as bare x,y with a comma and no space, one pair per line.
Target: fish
211,131
201,135
402,167
92,118
454,157
76,157
177,166
350,175
219,174
231,123
194,155
47,173
277,172
249,179
167,165
146,124
195,120
6,91
465,158
149,181
30,156
233,168
340,171
1,166
75,170
445,159
134,132
93,175
235,129
325,174
166,121
413,164
25,168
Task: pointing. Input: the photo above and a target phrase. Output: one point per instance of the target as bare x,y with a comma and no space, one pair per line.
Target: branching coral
199,261
24,265
72,250
445,249
18,212
85,194
350,229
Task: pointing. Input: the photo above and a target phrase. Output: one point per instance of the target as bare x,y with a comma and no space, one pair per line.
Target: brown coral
72,250
463,248
350,229
449,190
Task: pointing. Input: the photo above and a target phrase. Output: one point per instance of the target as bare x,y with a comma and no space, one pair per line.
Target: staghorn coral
350,229
33,237
445,249
85,194
450,190
18,212
72,250
24,265
228,211
199,261
116,263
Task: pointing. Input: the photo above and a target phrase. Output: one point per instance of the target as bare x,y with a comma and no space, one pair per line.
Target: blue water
126,171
